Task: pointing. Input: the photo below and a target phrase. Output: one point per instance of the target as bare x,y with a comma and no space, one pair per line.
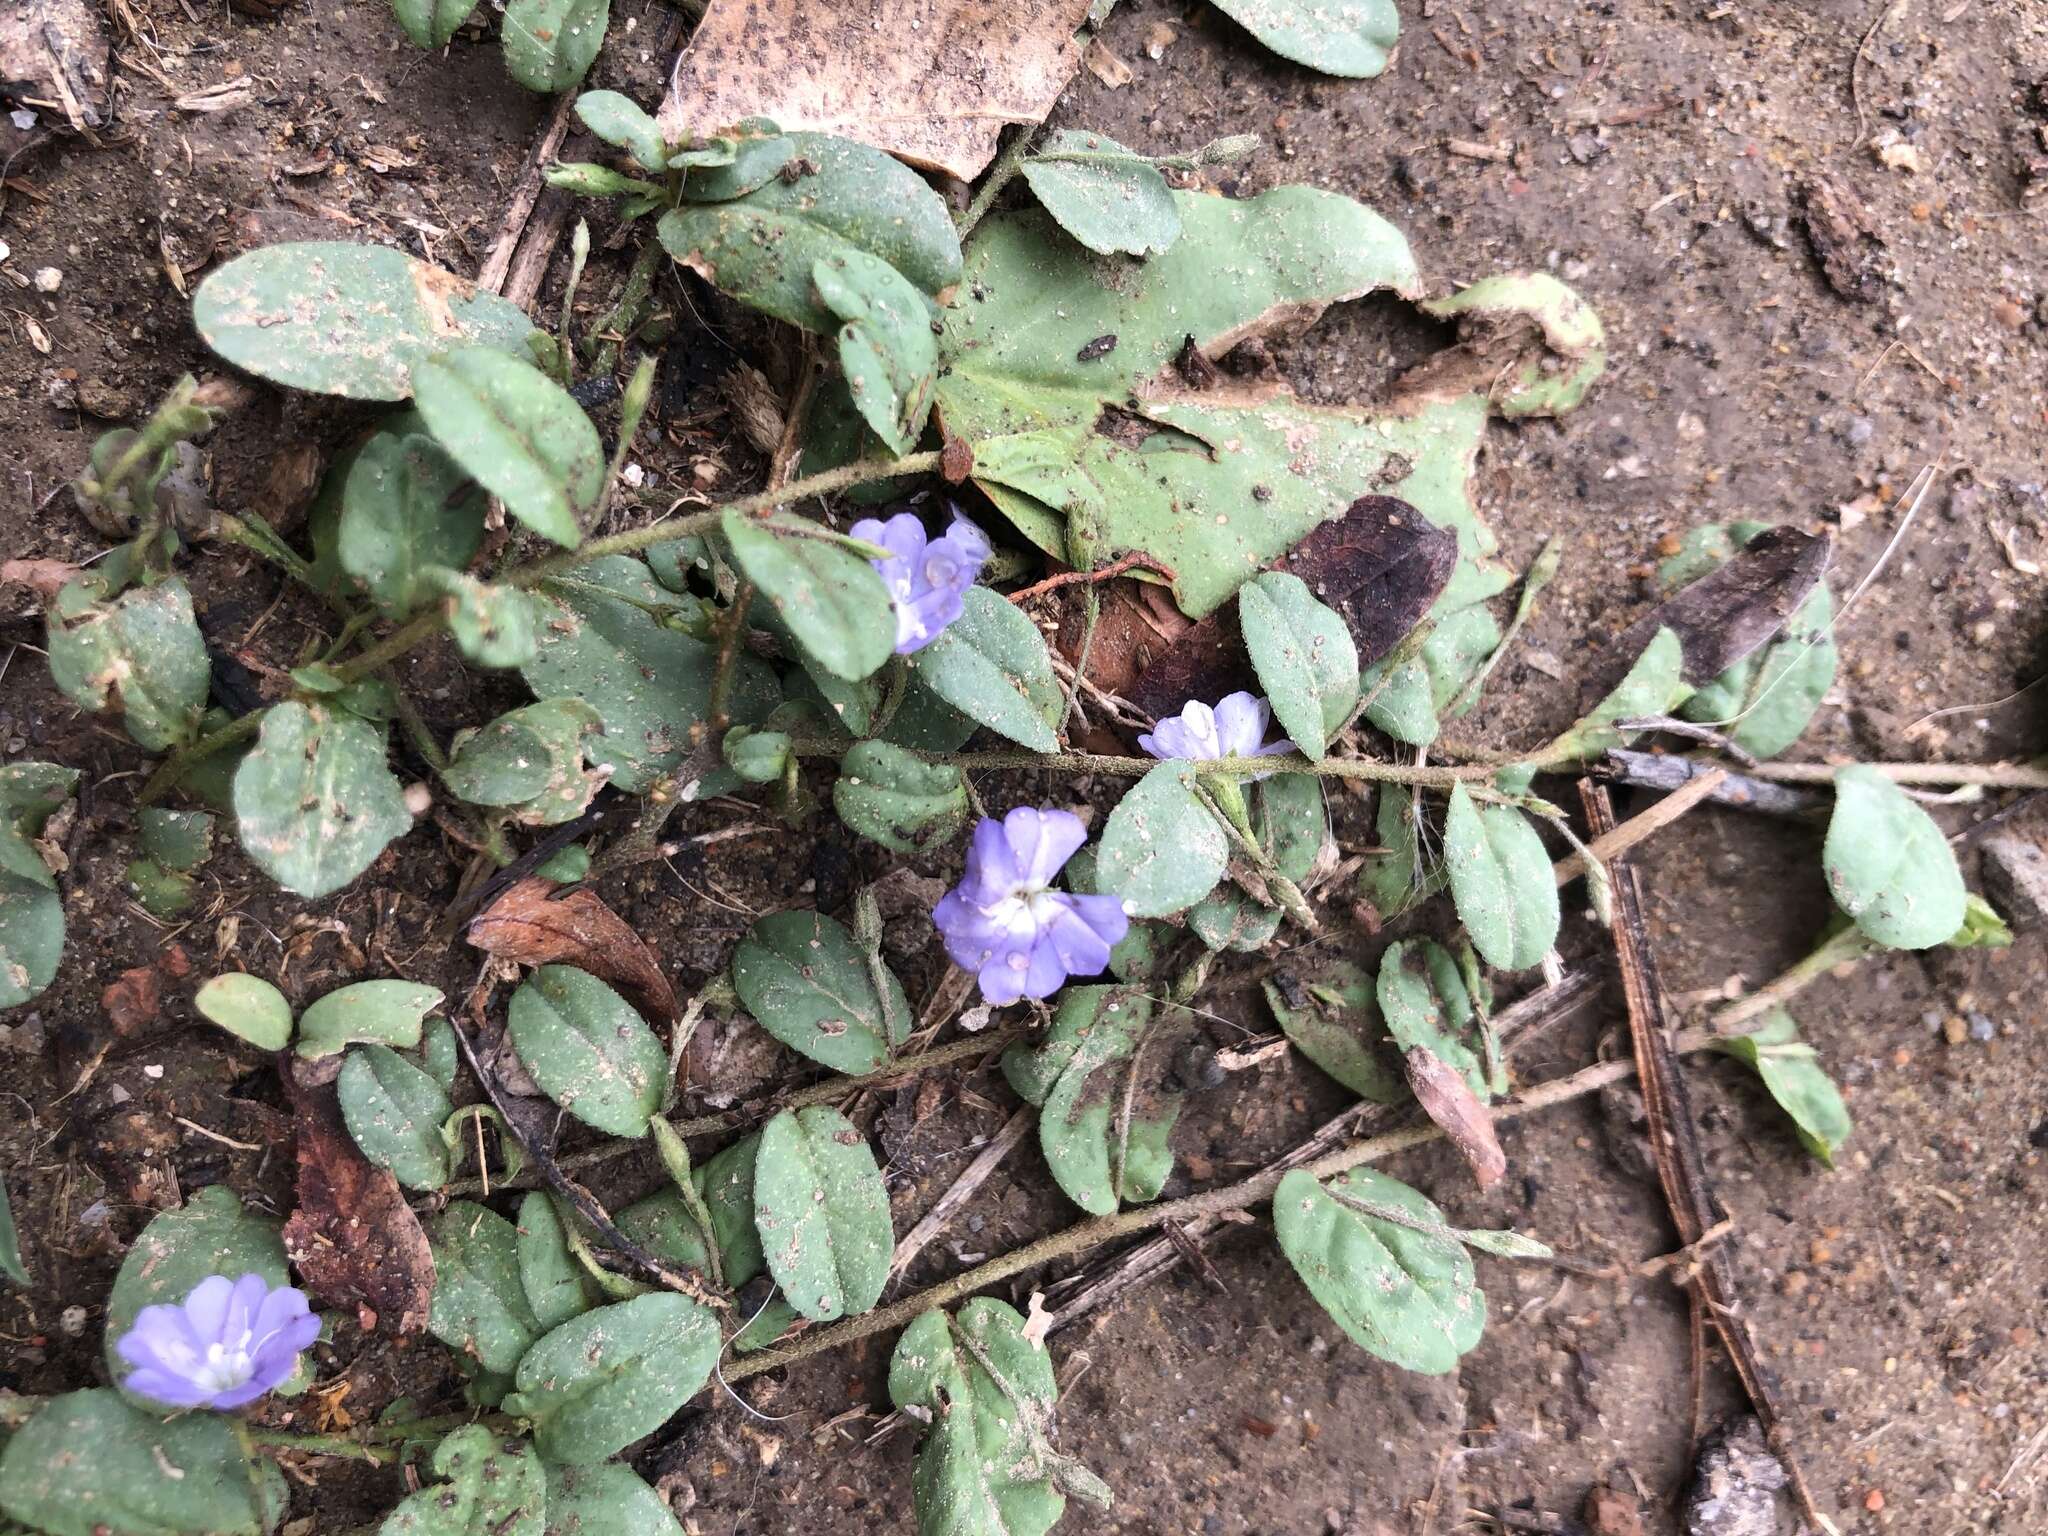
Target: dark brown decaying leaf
353,1239
1726,614
1380,566
529,925
1448,1100
1846,240
932,81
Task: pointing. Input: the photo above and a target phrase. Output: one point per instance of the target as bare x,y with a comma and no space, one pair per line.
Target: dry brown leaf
933,81
45,578
1448,1100
529,925
353,1239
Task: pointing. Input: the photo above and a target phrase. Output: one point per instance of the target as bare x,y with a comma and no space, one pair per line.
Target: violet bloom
228,1344
1006,923
926,577
1236,727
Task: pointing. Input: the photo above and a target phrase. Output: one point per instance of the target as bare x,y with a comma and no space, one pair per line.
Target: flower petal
992,868
161,1386
1241,720
206,1307
1081,949
1043,841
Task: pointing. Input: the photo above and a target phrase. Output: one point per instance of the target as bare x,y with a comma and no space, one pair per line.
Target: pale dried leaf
1448,1100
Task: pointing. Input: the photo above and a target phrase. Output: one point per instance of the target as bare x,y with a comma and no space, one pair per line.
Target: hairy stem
1844,948
1000,175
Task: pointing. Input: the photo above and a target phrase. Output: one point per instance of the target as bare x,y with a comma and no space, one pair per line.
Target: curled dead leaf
45,578
532,926
1449,1101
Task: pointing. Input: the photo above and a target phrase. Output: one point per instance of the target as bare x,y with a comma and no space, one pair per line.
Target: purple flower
926,578
231,1342
1006,923
1236,727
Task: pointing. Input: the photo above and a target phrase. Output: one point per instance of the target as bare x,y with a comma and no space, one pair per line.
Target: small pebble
2010,314
72,1321
1983,1027
1954,1030
1874,1501
48,279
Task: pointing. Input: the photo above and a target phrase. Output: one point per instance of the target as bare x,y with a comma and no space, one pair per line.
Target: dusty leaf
1448,1099
931,82
534,927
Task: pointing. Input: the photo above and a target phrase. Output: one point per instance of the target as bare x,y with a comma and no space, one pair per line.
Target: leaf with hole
1333,1018
1352,38
650,684
187,1476
601,1381
345,319
519,433
407,512
1162,849
830,599
1888,866
1305,659
142,654
1525,340
490,1486
898,799
588,1049
315,802
1792,1072
822,1213
805,981
992,665
366,1012
886,349
395,1113
1501,881
763,245
480,1308
212,1233
551,44
1106,197
530,762
1405,1295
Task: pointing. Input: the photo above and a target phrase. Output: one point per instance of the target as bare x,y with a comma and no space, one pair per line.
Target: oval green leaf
407,512
1501,881
1162,850
605,1500
490,1487
620,120
1888,866
142,654
1352,38
1304,655
554,1282
601,1381
886,347
247,1006
806,982
315,802
898,799
479,1308
1106,197
386,1012
1333,1019
822,1213
588,1049
551,44
992,665
394,1113
830,599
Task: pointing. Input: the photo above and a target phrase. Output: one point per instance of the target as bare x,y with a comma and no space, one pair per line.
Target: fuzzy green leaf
551,44
386,1012
1352,38
1333,1019
898,799
601,1381
432,23
407,512
479,1308
490,1487
1426,1005
605,1500
822,1213
829,598
395,1112
31,920
620,120
248,1007
315,802
142,654
1162,849
1106,197
518,432
992,665
1888,866
588,1049
886,347
176,839
531,762
1653,685
554,1282
1797,1081
1291,823
1304,656
1501,881
806,982
494,626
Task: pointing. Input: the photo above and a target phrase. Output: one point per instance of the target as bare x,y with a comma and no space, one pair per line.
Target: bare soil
1651,152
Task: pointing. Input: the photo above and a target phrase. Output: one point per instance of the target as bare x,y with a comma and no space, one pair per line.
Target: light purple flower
228,1344
1006,923
926,578
1236,727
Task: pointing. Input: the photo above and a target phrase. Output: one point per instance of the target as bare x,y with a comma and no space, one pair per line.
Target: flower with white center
927,578
227,1344
1236,727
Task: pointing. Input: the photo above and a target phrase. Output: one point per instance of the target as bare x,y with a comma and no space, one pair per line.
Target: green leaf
650,685
432,23
807,983
992,665
664,1224
758,757
248,1007
210,1234
829,598
588,1049
822,1213
1162,851
439,1054
407,511
31,792
600,1381
1797,1081
605,1500
530,761
366,1013
1652,686
554,1283
1290,822
494,626
10,1244
479,1308
898,799
1333,1019
619,120
984,1469
551,44
1408,1297
394,1112
1541,345
1424,1000
763,246
162,893
886,347
31,920
490,1487
518,432
1304,656
1395,881
1102,194
1106,1113
1228,918
89,1464
343,319
142,654
176,839
1982,927
1352,38
1888,866
314,800
1501,881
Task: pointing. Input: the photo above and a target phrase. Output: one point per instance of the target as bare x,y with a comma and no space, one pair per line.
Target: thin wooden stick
962,1190
525,193
1624,837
